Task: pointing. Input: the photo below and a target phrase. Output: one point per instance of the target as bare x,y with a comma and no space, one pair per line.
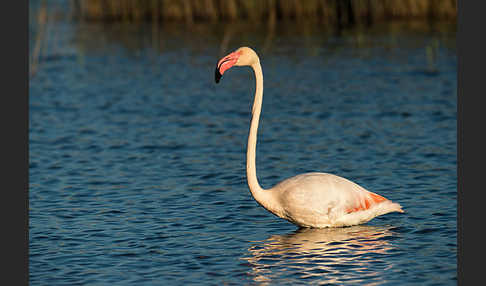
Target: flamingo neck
259,194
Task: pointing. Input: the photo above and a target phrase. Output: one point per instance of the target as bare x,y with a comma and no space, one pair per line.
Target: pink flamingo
308,200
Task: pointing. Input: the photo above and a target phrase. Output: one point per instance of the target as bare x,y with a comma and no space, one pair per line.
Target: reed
340,12
40,39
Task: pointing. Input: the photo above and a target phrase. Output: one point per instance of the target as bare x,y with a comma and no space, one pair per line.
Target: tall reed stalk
40,39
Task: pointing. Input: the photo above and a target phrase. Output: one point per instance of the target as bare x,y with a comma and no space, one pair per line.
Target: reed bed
340,12
204,17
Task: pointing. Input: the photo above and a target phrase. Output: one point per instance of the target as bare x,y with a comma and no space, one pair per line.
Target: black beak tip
217,75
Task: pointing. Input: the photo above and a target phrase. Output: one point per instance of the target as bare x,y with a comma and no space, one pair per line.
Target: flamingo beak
225,64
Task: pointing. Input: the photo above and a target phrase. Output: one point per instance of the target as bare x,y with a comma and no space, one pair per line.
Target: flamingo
310,200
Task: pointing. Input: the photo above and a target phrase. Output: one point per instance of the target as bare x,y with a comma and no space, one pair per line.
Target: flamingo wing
365,202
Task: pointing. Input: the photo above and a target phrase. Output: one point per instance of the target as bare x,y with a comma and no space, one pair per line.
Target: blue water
137,158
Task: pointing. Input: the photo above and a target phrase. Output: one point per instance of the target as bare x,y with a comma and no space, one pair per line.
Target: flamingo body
308,200
326,200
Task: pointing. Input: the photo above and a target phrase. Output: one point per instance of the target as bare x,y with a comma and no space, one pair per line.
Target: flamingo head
243,56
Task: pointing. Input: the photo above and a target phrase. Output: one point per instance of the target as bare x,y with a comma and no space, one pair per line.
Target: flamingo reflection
330,255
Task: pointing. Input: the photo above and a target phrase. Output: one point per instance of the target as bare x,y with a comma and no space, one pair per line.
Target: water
137,158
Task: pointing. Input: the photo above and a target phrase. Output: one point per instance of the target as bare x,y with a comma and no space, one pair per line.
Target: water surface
137,159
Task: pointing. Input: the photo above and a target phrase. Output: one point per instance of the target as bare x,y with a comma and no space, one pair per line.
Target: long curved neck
259,194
